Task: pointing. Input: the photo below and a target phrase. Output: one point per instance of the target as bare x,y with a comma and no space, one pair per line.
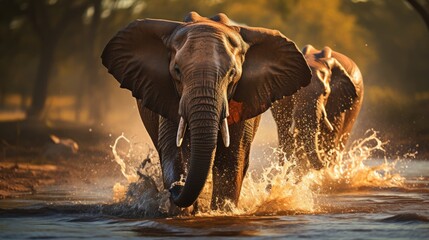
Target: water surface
359,198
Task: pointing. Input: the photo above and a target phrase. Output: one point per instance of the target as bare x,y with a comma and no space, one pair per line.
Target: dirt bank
30,160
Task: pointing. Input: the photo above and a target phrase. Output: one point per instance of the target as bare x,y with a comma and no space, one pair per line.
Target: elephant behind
317,121
201,86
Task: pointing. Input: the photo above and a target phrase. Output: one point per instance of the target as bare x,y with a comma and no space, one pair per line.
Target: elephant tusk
326,120
328,124
225,132
292,127
181,132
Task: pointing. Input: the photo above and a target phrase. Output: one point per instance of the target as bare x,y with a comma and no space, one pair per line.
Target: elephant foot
223,204
195,209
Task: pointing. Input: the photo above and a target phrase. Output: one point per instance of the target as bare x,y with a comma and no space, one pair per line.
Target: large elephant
319,118
196,80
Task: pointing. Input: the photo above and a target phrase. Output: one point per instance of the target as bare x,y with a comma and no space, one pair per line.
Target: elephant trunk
308,135
203,118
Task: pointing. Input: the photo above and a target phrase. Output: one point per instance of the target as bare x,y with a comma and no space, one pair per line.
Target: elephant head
332,88
204,73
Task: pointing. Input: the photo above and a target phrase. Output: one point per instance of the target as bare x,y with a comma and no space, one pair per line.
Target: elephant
201,86
315,123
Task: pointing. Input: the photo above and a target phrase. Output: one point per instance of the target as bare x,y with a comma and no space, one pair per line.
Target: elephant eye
177,70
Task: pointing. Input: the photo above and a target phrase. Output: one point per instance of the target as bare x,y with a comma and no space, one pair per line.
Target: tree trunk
44,70
421,10
96,88
49,33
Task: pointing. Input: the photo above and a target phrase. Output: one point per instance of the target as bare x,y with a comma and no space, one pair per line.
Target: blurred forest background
51,74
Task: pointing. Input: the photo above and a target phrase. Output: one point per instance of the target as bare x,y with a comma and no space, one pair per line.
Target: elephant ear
273,68
138,58
343,90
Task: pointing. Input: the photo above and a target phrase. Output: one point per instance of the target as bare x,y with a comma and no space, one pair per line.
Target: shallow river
359,198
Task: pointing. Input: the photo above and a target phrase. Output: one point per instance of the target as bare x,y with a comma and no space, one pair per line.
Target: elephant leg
331,140
282,114
231,163
172,164
286,145
349,121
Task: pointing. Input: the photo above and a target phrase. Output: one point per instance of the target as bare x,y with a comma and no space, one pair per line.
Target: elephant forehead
209,29
316,64
209,26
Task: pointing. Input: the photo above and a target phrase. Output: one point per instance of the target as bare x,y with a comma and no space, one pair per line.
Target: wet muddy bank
30,160
28,176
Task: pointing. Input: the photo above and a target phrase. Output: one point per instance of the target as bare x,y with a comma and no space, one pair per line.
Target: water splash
272,190
349,171
143,193
277,190
281,190
131,176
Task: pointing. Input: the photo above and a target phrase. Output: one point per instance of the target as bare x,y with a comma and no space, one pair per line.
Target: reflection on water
357,197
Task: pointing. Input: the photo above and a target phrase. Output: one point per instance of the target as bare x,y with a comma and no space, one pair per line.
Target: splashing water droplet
143,195
276,189
131,177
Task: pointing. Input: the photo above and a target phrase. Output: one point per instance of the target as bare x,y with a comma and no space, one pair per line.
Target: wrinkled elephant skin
201,86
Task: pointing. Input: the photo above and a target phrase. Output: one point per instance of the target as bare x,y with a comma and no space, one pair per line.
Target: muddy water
358,197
